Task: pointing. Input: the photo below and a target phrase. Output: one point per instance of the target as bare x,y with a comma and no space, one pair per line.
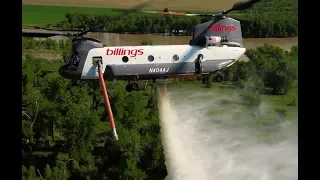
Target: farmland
41,15
206,5
37,12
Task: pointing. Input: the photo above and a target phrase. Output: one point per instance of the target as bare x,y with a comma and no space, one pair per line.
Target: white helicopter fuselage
163,60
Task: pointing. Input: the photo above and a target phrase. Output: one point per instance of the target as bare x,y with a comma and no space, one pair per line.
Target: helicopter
216,45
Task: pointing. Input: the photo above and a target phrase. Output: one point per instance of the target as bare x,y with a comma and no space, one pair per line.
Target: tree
253,84
60,171
79,129
276,67
67,50
32,173
146,42
131,171
61,45
24,172
47,172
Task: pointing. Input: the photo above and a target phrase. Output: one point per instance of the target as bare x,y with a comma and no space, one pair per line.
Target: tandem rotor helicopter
216,44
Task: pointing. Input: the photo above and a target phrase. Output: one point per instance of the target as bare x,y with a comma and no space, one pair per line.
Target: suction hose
106,100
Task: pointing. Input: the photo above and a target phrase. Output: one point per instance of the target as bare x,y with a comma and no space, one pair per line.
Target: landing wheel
135,86
219,78
129,88
205,80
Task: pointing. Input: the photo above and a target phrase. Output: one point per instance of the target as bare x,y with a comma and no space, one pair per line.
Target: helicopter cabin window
125,59
150,58
175,57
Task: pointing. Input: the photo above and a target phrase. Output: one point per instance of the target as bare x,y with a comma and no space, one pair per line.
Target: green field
41,15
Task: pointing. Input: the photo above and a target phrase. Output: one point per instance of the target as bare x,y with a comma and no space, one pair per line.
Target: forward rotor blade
85,32
134,9
40,33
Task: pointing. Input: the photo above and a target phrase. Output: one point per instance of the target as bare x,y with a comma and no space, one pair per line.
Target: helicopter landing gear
198,65
205,80
133,85
219,77
129,88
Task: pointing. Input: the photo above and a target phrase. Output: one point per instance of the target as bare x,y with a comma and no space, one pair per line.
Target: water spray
195,148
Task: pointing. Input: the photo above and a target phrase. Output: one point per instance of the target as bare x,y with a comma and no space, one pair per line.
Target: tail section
225,27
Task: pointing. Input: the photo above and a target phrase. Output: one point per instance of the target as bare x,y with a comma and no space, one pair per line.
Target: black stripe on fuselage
163,69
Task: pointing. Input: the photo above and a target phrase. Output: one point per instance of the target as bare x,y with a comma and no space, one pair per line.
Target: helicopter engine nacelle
80,48
209,40
225,27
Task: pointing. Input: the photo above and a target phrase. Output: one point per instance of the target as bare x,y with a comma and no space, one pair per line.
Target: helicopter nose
68,72
63,71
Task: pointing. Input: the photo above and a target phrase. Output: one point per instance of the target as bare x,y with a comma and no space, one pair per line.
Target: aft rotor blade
133,10
171,13
205,30
236,6
85,32
242,6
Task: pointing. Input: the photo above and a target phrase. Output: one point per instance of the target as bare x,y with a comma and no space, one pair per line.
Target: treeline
268,67
65,133
64,46
44,44
263,20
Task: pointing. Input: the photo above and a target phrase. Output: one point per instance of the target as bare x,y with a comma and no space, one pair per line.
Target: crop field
36,12
203,5
41,15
